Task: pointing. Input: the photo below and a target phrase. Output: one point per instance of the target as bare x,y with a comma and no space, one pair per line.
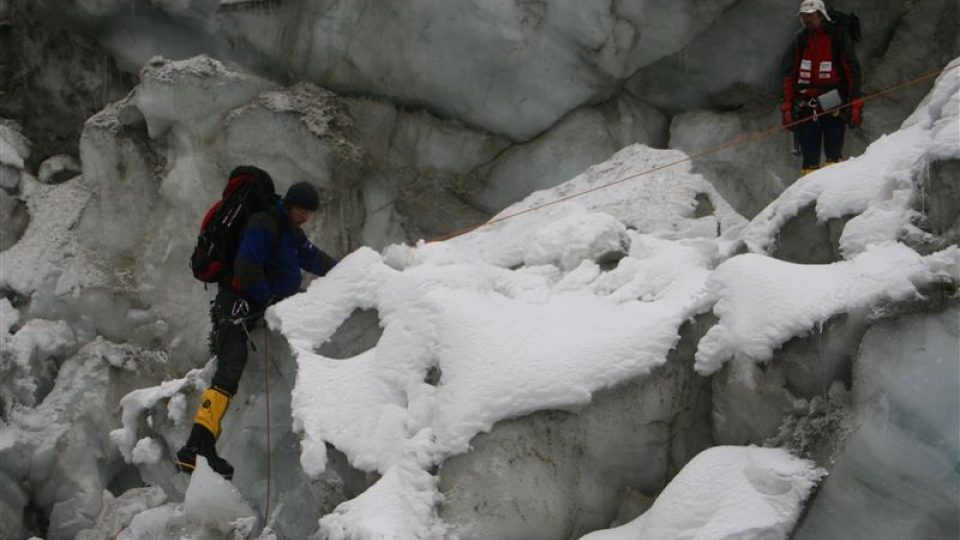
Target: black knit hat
302,195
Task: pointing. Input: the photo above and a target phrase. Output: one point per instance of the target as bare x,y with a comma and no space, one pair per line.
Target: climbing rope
751,137
266,394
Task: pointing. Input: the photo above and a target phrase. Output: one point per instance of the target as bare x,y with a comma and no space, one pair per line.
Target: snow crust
805,296
135,403
727,493
516,318
213,501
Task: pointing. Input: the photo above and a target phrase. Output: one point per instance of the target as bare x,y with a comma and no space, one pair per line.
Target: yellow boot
807,170
213,406
203,437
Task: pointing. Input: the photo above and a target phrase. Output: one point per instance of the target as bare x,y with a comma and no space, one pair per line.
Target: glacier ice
555,328
897,475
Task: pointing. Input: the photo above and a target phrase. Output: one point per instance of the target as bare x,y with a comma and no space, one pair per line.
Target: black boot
202,442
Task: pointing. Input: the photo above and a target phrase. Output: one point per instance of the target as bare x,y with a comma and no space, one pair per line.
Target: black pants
228,341
825,132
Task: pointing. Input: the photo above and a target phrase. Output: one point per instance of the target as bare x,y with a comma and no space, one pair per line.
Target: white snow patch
397,506
138,401
212,500
727,493
147,451
649,191
747,287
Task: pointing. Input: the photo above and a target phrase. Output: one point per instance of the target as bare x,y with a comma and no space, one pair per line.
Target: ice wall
97,303
568,52
896,477
580,81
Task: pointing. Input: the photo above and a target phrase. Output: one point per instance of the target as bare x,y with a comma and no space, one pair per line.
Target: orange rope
266,393
725,146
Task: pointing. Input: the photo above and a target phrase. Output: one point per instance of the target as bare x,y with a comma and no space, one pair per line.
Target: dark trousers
825,132
228,342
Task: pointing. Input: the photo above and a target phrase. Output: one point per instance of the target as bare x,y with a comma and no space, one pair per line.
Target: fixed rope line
266,394
751,137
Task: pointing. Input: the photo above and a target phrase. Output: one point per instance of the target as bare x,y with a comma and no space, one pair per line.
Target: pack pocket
829,100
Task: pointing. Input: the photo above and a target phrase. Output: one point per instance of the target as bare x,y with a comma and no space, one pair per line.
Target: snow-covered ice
518,316
727,493
573,292
213,501
805,296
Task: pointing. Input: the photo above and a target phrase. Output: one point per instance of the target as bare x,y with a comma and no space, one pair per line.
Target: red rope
725,146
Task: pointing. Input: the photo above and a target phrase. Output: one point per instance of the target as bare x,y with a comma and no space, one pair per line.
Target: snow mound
648,191
389,509
521,316
806,296
214,501
212,509
727,493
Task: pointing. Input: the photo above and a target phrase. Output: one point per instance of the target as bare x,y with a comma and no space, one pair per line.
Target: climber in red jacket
821,72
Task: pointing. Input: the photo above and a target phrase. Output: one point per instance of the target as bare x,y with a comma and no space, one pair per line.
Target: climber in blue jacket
267,268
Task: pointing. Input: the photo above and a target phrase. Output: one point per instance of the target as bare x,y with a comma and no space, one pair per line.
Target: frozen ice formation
628,328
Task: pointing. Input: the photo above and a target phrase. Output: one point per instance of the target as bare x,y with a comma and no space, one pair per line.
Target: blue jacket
270,256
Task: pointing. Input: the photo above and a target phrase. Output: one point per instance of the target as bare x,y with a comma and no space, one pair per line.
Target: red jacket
819,61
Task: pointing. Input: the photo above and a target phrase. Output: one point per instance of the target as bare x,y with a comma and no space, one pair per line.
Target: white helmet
810,6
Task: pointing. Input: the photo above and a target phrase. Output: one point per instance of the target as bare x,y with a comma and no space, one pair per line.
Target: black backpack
847,23
249,190
841,24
